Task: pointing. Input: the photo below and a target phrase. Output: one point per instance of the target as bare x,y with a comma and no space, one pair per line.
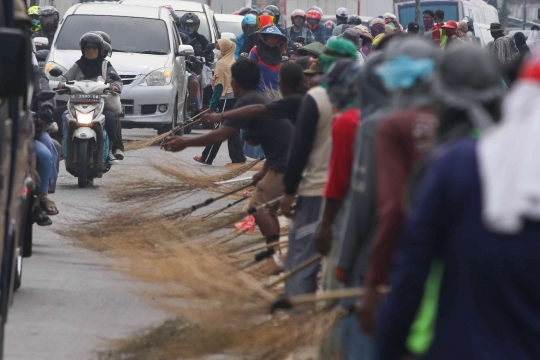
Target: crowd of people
411,169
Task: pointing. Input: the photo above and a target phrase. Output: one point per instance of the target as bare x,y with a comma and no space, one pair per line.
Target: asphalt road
71,301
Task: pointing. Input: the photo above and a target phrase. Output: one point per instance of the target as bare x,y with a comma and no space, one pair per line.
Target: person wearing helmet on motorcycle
277,14
33,14
189,25
313,18
247,10
298,29
90,67
352,21
342,14
48,18
265,17
329,26
268,54
249,27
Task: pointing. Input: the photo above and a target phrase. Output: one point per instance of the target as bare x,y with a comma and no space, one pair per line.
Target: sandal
40,218
199,160
46,204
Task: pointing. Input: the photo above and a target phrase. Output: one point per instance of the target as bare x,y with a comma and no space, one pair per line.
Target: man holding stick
274,136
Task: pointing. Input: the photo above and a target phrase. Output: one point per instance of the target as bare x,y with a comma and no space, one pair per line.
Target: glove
46,114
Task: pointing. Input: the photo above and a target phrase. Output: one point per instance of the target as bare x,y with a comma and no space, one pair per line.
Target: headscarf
90,68
271,55
338,49
407,70
533,42
509,158
521,43
391,19
344,92
377,27
222,73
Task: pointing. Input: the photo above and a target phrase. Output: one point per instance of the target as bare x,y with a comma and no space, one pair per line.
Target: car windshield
234,27
128,34
203,28
407,11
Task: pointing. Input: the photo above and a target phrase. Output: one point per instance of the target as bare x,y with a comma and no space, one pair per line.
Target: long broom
294,271
187,211
157,140
290,302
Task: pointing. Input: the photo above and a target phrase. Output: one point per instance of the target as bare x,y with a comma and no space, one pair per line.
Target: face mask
190,29
428,24
217,54
49,27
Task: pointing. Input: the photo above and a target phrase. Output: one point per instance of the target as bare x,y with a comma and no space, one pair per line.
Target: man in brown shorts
274,136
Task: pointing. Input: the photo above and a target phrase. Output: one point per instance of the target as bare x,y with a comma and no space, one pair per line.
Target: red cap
450,24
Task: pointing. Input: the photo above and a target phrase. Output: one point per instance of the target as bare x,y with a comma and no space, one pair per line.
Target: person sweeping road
274,136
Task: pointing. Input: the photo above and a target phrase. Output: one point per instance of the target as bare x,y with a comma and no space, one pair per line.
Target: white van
147,54
479,11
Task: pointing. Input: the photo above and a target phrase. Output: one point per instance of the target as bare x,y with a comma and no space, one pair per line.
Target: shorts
268,189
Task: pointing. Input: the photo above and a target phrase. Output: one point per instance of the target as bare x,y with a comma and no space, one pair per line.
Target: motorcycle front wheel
82,170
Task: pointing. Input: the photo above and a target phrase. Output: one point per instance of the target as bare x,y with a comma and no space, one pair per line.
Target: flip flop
45,204
40,218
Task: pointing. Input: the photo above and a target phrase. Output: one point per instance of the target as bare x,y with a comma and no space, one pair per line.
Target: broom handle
231,204
211,200
280,245
293,272
334,295
190,121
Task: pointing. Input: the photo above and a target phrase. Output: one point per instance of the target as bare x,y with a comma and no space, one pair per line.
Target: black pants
234,142
112,125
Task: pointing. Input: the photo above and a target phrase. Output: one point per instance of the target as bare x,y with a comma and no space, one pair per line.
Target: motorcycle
85,142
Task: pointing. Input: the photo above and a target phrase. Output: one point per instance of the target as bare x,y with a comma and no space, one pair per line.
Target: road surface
71,301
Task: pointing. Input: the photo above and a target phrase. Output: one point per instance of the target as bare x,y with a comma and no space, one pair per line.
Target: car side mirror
41,42
185,50
15,63
56,72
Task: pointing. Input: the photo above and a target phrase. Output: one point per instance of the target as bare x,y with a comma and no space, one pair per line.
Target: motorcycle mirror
41,42
56,72
115,77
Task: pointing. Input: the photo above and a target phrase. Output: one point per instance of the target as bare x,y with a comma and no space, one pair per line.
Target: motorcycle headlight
49,66
159,77
85,118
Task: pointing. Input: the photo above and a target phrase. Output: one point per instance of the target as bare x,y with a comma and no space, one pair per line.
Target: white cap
343,12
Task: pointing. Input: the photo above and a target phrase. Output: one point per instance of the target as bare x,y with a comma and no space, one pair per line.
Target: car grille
128,106
128,79
148,109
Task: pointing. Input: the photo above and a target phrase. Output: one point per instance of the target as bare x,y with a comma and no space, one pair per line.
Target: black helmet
93,38
275,10
107,45
354,20
49,12
244,11
190,21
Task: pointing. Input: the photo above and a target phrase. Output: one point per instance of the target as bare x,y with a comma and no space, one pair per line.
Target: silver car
147,54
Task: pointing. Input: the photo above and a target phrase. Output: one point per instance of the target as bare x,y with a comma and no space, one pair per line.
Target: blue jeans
44,166
46,140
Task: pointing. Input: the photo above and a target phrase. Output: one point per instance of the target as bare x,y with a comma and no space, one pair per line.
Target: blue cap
249,19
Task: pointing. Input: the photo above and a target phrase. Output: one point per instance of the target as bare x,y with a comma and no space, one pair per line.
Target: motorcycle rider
249,27
298,28
265,18
352,21
247,10
33,14
89,67
314,24
342,14
329,27
189,25
48,18
277,14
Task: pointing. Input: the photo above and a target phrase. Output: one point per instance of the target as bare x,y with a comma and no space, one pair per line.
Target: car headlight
159,77
49,66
